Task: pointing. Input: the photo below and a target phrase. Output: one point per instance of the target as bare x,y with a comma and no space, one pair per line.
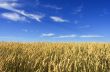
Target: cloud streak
12,7
91,36
52,7
70,36
48,6
48,35
84,26
78,10
67,36
25,30
58,19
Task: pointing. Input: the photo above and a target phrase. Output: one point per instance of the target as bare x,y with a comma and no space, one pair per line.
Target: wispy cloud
32,16
67,36
58,19
12,7
8,5
37,2
76,21
25,30
78,10
91,36
105,12
13,16
55,7
48,35
52,7
52,35
85,26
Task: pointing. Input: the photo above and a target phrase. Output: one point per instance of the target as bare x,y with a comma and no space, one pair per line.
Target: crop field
54,57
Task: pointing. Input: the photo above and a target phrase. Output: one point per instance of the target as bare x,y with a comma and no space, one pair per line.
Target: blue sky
55,20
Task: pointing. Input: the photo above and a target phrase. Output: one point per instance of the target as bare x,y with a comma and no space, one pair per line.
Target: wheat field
54,57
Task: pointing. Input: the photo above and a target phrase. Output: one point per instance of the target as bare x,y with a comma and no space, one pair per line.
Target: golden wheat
54,57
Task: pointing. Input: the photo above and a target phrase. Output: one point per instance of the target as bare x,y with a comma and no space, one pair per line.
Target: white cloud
91,36
70,36
11,7
58,19
67,36
48,5
13,16
8,5
47,34
52,7
32,16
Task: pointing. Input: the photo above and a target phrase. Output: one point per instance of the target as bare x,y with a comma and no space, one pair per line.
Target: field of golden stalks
54,57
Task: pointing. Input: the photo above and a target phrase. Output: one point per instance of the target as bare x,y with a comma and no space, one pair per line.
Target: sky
55,20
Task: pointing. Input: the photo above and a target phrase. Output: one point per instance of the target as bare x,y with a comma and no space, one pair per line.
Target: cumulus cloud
91,36
58,19
48,35
13,16
67,36
12,7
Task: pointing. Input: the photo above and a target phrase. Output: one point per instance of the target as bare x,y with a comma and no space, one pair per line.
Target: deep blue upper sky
55,20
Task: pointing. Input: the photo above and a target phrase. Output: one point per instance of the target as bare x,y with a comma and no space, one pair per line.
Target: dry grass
54,57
